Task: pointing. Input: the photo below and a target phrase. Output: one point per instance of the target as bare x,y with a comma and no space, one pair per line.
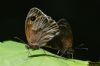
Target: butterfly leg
58,52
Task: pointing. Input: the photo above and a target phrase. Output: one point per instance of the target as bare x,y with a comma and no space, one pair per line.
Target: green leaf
15,54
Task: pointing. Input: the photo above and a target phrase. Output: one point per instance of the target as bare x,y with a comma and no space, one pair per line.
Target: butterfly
42,31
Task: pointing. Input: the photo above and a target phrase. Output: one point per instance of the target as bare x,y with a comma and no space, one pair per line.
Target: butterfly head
31,46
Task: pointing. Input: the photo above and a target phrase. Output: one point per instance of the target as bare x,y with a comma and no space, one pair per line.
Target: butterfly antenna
28,50
19,39
80,47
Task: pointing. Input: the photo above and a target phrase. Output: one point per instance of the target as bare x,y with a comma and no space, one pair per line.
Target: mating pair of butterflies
42,31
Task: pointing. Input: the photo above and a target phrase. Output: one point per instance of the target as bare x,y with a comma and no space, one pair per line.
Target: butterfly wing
65,33
39,28
64,40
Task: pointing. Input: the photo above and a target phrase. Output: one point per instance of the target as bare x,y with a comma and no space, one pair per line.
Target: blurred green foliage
15,54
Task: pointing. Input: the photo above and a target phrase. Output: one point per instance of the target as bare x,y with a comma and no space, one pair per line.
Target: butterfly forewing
39,28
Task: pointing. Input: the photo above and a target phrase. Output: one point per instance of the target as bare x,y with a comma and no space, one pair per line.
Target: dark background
80,14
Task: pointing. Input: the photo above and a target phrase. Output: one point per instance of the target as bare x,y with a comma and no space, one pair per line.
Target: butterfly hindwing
63,41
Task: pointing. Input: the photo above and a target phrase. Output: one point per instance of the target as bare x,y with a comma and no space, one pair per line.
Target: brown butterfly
42,31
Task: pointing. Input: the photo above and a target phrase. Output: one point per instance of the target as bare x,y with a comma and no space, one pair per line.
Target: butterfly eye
33,18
